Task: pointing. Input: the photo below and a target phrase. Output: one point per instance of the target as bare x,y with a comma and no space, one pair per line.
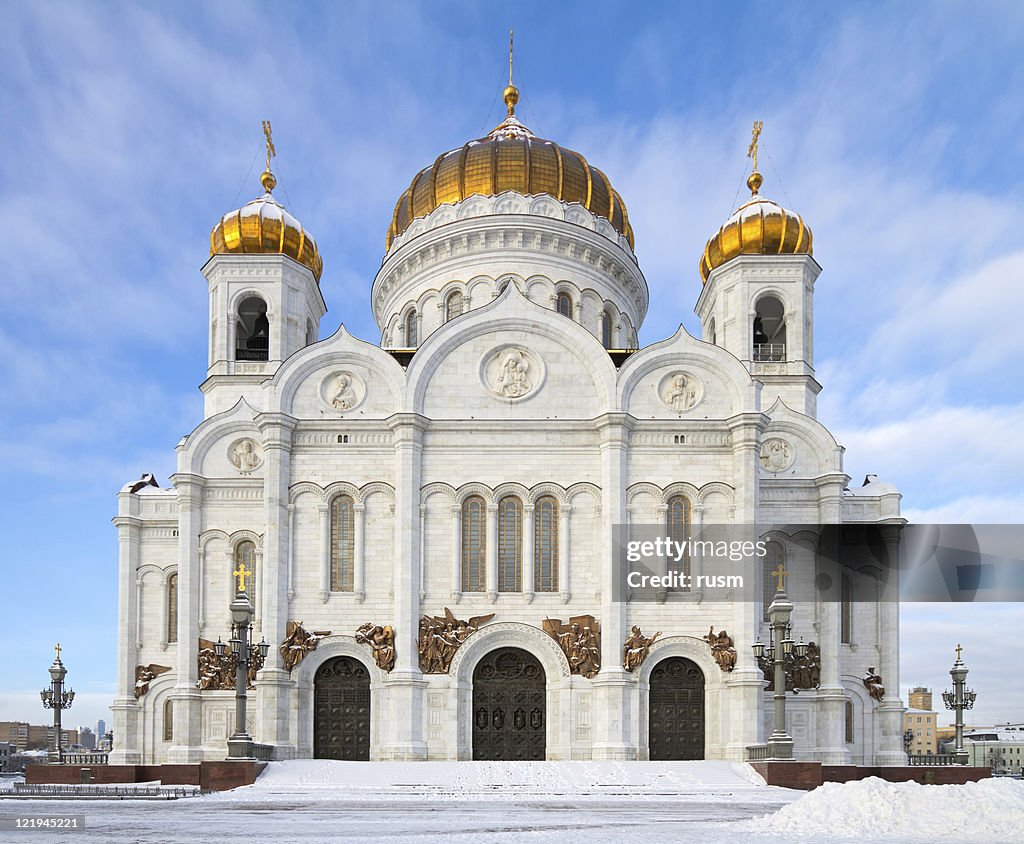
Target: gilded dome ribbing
264,227
511,157
758,227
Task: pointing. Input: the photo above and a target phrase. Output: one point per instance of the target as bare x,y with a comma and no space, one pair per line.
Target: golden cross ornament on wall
241,573
780,574
752,149
271,152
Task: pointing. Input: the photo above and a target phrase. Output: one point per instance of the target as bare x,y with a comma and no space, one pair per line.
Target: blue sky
896,130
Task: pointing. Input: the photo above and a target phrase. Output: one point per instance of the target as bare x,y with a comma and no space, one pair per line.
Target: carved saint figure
381,641
298,642
873,683
441,636
775,455
512,379
244,456
682,392
145,674
636,648
216,672
579,642
722,648
344,396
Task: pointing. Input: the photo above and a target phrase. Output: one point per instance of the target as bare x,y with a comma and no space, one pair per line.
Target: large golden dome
759,227
511,157
264,227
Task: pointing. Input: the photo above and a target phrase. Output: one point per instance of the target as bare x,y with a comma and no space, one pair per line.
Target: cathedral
429,521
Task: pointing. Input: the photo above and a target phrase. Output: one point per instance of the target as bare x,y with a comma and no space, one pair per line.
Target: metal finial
511,93
780,575
267,177
57,649
241,573
510,55
959,648
755,180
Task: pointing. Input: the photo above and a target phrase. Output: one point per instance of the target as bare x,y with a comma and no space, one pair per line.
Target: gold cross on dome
241,573
271,152
780,574
959,648
752,149
58,649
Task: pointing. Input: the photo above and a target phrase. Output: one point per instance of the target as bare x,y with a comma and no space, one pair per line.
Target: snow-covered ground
566,802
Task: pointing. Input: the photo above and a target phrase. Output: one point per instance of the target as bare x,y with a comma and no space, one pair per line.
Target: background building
921,720
1000,748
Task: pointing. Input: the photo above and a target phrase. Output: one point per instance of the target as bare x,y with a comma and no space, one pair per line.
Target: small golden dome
759,227
264,227
512,158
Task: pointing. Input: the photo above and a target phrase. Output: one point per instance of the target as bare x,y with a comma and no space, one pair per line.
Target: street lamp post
240,745
781,651
57,699
958,700
908,738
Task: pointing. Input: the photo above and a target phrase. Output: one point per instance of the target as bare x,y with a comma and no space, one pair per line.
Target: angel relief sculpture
146,674
298,642
636,648
381,641
722,648
441,636
579,641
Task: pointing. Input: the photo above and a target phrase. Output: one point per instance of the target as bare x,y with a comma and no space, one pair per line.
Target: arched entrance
509,698
676,714
341,710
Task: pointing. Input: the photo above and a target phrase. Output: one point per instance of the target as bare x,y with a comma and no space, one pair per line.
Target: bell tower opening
769,330
252,330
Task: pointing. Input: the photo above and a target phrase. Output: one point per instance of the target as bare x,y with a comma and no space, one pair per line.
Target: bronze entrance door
509,706
676,722
341,710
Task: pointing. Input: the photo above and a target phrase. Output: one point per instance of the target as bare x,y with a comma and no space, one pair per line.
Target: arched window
849,722
606,329
845,610
245,552
510,544
411,334
343,543
252,330
168,720
712,336
769,330
545,544
678,528
563,304
773,558
172,608
453,305
474,544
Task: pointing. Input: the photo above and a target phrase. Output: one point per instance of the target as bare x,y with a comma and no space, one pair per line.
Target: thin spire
511,94
754,181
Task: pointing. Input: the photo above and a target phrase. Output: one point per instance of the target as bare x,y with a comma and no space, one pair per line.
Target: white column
265,582
126,710
202,591
614,688
274,687
831,705
291,552
325,552
528,553
456,554
359,575
889,733
491,553
187,699
564,556
139,589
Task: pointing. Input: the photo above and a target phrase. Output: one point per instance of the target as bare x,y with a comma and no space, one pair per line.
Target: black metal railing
933,759
97,757
117,792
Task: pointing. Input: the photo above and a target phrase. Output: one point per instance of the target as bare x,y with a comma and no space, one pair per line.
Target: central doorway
341,710
676,710
509,707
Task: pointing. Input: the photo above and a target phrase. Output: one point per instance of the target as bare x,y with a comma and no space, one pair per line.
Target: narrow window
545,541
510,544
411,334
168,720
606,329
172,608
769,330
678,527
474,544
772,560
846,610
245,553
342,544
849,722
453,305
252,330
563,304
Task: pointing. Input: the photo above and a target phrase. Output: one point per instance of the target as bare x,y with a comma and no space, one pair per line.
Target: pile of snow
989,809
318,778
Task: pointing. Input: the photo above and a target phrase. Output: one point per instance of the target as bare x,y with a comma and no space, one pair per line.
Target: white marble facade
510,396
